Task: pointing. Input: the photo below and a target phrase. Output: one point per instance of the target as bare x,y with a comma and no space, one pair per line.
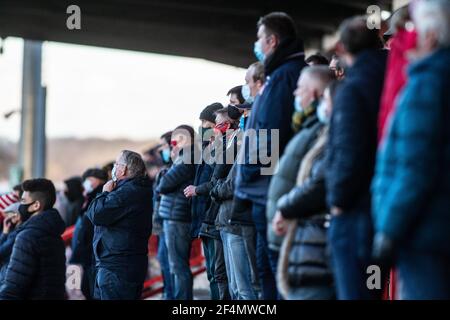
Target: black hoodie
38,263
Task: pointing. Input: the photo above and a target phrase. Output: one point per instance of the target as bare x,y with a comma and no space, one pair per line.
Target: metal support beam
32,138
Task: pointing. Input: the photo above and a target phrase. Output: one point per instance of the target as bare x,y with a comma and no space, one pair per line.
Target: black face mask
23,211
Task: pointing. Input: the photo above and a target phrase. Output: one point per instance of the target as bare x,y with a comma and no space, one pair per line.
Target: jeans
110,285
240,256
163,259
423,276
178,241
210,252
266,259
350,239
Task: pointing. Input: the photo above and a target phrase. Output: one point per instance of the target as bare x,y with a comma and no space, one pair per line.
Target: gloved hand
383,250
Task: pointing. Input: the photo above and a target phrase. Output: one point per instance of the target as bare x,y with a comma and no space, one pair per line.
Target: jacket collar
288,49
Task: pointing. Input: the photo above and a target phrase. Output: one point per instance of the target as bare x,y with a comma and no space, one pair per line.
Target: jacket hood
48,221
289,49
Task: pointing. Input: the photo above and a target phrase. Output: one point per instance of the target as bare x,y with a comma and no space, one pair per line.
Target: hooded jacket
37,268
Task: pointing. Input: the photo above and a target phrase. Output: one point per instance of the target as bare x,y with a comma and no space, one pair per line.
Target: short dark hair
317,59
18,188
95,173
135,164
186,128
279,24
41,190
166,137
356,37
238,92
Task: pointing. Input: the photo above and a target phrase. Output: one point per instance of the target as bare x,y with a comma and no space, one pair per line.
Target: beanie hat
208,112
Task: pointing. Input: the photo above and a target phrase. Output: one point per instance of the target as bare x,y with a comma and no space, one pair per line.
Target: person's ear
36,206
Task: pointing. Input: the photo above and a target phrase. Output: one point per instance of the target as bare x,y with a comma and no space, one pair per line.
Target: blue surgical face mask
321,112
257,50
298,104
165,155
246,93
242,123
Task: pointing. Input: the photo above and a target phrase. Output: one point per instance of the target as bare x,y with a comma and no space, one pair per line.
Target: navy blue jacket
174,205
6,247
271,110
123,224
411,188
352,144
37,268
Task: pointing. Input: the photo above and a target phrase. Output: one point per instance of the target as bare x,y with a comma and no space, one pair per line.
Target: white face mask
322,112
87,185
246,93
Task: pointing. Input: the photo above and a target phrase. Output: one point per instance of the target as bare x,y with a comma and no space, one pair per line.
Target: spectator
83,235
337,67
351,157
176,212
223,151
122,218
108,169
310,88
279,48
317,59
401,42
412,181
301,277
254,81
69,201
10,198
162,254
201,201
235,95
11,227
38,264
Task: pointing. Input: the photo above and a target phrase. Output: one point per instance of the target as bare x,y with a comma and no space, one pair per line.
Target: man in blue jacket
122,216
411,187
351,157
279,48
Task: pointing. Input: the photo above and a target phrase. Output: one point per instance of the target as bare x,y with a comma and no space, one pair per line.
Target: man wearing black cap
201,203
93,181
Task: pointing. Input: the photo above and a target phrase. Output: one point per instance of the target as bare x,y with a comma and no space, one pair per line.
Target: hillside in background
68,156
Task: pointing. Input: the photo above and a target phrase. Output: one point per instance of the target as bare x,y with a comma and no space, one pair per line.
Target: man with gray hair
411,186
122,216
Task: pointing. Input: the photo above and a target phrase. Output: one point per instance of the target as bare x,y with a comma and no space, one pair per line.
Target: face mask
23,211
222,128
113,174
165,155
321,112
242,123
257,50
87,185
298,104
246,93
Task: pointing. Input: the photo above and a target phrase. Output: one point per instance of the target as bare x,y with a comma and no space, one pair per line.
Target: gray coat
286,176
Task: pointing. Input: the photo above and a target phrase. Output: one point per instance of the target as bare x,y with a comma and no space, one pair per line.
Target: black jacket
37,268
307,199
123,224
174,205
83,235
352,144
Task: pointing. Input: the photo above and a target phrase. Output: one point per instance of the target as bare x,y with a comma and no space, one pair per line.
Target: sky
110,93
